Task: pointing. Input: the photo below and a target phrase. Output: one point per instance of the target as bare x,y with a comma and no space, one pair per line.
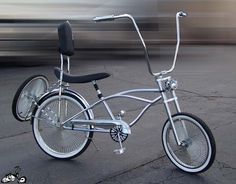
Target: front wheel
197,150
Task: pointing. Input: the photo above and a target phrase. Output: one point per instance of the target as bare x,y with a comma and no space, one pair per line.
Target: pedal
122,149
119,151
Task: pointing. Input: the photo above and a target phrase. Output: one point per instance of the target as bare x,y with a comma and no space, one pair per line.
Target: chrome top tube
178,14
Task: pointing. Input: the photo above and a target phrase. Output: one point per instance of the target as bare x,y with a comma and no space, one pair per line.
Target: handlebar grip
182,14
104,18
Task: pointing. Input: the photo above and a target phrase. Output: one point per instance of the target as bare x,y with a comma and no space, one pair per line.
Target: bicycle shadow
66,171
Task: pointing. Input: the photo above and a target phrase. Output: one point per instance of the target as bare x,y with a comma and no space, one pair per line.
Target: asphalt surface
207,85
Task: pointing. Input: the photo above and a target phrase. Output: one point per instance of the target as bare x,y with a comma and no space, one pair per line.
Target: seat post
100,96
97,89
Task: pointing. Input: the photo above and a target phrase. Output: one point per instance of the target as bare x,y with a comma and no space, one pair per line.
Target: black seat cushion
80,79
66,43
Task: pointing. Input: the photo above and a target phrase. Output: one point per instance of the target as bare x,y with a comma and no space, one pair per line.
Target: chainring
114,134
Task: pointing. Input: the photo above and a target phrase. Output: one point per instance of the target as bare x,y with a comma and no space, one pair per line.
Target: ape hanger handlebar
178,15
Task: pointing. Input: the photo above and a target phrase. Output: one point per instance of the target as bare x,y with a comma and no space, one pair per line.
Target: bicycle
63,121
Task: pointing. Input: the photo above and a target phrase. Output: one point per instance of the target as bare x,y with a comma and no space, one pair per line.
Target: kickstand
96,147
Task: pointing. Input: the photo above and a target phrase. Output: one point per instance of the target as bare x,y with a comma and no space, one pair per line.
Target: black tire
25,113
52,132
197,153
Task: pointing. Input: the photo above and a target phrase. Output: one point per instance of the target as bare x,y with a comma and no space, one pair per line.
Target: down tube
141,114
124,94
150,103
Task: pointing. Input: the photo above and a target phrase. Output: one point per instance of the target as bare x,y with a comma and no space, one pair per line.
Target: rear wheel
59,141
197,150
27,94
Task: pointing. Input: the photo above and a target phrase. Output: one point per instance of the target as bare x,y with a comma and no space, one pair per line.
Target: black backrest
66,43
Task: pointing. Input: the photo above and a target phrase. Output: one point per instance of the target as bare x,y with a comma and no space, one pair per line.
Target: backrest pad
66,43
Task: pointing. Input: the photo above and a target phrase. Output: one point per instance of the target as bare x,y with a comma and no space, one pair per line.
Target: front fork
166,85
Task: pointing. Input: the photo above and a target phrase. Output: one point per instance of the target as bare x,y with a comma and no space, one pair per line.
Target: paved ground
207,86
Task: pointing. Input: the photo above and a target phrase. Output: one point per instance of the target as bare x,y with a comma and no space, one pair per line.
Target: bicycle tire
28,92
60,148
197,153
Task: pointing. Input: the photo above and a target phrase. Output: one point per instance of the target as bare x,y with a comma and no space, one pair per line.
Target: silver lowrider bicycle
63,121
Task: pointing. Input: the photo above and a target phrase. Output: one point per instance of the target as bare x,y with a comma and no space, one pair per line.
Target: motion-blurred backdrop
29,27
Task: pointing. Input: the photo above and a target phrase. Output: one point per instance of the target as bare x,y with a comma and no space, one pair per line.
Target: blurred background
29,28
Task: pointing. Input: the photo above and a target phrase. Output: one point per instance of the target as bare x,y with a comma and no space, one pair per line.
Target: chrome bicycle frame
165,84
